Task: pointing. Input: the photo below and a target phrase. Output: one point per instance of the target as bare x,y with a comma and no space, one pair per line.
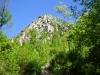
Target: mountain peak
43,23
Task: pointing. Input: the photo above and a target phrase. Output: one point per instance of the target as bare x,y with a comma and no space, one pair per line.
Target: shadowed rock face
43,23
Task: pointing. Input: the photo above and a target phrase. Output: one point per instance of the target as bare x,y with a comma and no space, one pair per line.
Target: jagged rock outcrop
43,23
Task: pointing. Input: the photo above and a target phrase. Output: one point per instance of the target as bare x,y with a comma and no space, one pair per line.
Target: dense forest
75,52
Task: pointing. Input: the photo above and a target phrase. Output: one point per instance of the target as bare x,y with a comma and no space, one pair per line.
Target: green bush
9,62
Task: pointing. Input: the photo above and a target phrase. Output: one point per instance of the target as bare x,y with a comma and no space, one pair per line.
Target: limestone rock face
43,23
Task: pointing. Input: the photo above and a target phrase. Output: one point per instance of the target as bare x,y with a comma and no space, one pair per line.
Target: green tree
5,15
86,36
61,8
87,6
83,57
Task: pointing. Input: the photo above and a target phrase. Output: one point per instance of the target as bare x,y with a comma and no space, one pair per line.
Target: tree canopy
5,15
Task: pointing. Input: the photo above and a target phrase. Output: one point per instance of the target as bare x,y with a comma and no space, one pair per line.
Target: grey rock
43,23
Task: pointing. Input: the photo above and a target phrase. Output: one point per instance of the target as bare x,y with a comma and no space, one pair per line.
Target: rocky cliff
44,23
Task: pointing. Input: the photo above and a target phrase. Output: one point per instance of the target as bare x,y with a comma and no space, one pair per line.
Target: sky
25,11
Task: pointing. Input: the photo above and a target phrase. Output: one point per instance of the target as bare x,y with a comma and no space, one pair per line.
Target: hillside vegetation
67,49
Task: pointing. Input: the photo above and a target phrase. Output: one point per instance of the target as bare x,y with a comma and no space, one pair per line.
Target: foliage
8,57
5,15
61,8
83,57
76,52
3,37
